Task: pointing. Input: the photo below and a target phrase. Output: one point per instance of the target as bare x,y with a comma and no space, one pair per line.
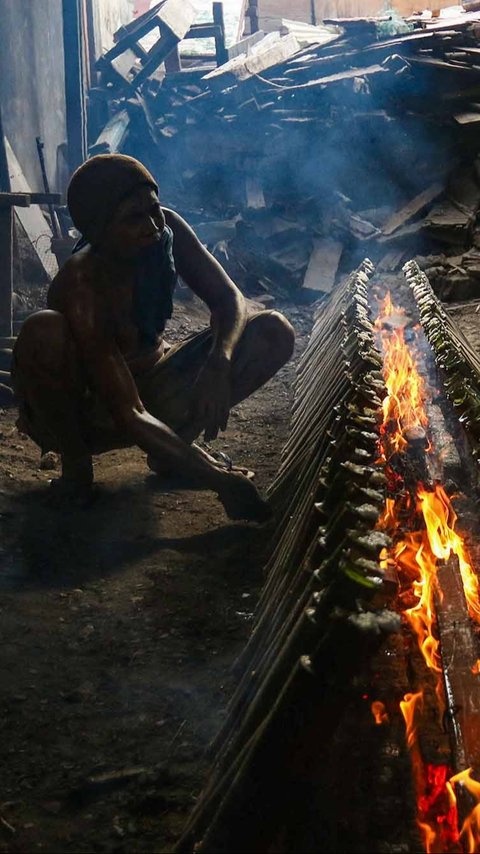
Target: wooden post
173,62
7,202
90,42
252,14
313,13
219,20
4,172
6,271
74,84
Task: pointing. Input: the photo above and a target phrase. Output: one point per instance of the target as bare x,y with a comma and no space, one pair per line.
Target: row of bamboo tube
323,610
456,359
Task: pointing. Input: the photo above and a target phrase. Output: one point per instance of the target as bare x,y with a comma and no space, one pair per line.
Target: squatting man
93,372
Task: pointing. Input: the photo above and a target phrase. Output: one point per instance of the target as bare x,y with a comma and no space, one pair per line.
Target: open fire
421,521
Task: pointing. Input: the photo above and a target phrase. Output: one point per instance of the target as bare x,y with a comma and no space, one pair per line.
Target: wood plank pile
294,162
324,609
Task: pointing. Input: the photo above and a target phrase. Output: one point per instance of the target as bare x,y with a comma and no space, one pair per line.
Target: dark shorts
165,391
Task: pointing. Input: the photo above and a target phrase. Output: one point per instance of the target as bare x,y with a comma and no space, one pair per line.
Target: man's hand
211,396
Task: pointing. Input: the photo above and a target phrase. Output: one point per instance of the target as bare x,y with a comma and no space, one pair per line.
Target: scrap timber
364,137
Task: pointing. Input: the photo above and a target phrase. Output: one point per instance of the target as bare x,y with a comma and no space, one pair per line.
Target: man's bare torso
88,284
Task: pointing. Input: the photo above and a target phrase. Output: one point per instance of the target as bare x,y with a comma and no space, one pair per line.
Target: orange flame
409,706
470,831
403,406
431,537
436,801
476,668
440,519
379,712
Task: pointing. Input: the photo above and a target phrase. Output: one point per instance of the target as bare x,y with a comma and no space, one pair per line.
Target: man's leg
266,345
49,385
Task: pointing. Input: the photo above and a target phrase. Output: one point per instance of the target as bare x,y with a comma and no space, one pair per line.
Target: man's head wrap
97,188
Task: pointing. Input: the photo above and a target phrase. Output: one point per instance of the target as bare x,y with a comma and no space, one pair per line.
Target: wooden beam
45,198
74,89
6,270
4,173
202,31
459,649
10,200
219,21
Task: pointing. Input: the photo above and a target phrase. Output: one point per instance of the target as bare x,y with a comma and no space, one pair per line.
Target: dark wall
32,84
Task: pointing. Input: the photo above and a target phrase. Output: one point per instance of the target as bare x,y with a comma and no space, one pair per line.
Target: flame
440,519
379,712
476,668
409,706
470,831
403,406
436,801
422,523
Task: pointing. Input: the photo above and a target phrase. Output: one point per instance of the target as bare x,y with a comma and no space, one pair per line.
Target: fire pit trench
355,725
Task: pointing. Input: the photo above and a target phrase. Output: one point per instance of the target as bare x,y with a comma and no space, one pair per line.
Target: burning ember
379,712
421,521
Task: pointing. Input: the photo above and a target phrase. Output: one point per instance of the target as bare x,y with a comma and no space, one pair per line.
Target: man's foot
65,493
242,500
220,461
6,395
75,486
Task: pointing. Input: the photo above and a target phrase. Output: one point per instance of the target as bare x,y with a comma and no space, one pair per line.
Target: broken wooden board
449,223
323,265
391,261
271,51
308,34
245,45
415,206
254,193
31,218
441,65
463,189
112,136
349,74
467,117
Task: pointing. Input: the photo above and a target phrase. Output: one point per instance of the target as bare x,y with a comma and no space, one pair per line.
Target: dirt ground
119,625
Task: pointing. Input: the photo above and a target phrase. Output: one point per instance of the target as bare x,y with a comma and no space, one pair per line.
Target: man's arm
209,281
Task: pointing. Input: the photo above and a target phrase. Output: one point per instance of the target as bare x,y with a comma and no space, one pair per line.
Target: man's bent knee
45,352
277,333
43,340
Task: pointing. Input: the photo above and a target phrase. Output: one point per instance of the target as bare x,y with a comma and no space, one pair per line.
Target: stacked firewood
457,360
292,172
323,609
